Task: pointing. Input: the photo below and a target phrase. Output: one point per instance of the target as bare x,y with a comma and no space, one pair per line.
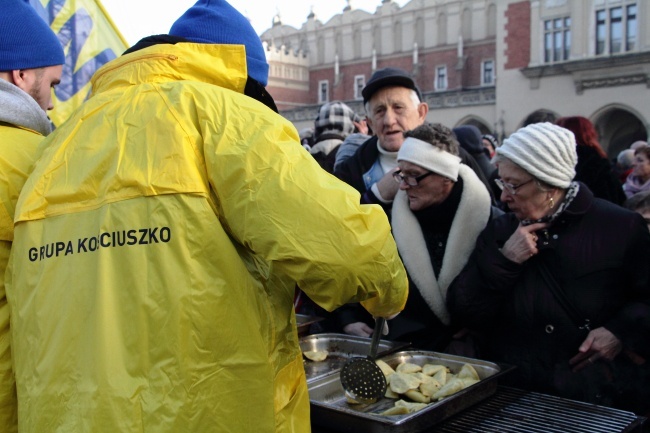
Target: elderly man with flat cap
31,59
394,105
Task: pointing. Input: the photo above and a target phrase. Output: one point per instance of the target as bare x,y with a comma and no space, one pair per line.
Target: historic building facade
485,62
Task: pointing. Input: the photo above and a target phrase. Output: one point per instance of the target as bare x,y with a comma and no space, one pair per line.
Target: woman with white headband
560,286
438,213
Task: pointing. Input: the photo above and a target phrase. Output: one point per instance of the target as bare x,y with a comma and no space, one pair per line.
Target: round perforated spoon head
361,378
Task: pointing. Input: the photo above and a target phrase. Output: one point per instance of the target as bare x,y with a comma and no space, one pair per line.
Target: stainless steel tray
330,409
340,348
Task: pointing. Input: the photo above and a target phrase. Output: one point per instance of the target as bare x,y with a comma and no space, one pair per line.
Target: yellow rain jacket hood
157,247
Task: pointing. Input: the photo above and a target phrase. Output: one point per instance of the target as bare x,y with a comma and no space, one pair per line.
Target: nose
389,117
504,195
403,185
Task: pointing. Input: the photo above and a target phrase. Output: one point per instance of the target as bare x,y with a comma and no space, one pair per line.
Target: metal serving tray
330,409
340,348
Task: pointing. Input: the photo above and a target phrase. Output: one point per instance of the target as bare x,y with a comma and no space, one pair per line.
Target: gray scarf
19,108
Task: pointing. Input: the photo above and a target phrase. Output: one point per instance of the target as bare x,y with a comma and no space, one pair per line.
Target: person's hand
359,329
522,245
599,344
362,126
387,186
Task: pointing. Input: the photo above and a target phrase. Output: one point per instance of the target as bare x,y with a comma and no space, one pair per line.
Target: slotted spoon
362,379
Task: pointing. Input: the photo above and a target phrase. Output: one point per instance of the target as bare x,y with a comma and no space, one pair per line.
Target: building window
630,28
323,91
487,73
616,29
441,78
557,39
359,84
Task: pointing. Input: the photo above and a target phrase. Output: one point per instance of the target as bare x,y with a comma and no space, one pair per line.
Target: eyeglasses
510,188
409,180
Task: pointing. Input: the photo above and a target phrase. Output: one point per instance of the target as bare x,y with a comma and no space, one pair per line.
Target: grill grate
517,411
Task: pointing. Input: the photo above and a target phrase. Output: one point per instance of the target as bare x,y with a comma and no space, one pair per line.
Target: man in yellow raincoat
30,65
159,240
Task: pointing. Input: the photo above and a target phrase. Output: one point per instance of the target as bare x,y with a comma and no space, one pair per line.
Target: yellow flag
89,38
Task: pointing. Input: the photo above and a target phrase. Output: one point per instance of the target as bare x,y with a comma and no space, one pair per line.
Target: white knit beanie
546,151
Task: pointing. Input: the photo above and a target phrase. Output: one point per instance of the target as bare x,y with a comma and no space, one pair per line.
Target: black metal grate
516,411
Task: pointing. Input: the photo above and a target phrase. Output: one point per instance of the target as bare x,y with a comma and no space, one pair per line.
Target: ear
369,122
423,109
15,76
20,77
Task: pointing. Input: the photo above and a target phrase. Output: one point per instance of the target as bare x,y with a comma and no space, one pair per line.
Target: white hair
413,95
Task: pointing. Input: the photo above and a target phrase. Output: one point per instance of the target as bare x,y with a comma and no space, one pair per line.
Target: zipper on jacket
171,57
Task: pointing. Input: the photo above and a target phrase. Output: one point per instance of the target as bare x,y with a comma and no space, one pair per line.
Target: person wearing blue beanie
180,195
217,22
30,65
30,53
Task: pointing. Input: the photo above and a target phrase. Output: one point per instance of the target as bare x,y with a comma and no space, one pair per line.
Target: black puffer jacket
599,254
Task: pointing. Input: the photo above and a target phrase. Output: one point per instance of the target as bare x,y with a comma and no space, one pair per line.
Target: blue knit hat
27,42
216,22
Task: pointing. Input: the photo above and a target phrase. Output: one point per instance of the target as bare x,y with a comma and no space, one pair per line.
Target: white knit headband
428,156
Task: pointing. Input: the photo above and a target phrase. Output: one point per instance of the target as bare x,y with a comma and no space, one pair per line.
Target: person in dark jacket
334,122
438,212
560,286
394,105
470,139
490,143
593,168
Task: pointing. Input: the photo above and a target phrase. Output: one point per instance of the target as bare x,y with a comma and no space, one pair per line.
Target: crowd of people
522,253
153,247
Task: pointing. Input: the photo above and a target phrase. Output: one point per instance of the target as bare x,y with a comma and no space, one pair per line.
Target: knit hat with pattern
216,22
27,41
335,118
546,151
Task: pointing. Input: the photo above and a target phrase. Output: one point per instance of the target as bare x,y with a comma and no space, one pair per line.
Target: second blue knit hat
217,22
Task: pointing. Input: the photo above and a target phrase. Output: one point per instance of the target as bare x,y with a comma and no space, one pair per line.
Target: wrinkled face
391,111
39,82
431,190
528,201
641,166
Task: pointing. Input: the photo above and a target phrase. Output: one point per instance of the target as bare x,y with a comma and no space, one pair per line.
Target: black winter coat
599,255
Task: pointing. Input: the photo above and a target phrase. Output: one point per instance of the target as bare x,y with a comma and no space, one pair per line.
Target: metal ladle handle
376,336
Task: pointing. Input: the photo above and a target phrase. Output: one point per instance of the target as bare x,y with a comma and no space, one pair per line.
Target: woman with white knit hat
560,286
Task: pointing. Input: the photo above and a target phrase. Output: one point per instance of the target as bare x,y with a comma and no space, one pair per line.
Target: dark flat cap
388,77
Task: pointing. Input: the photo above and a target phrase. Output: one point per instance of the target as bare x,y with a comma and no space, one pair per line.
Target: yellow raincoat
18,150
158,244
